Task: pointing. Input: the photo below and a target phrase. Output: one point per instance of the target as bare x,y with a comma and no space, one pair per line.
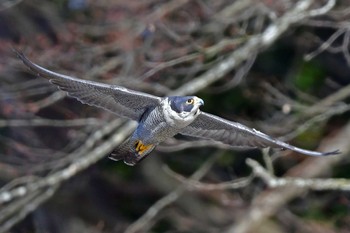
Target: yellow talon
141,148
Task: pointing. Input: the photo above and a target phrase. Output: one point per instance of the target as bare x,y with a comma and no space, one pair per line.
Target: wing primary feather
212,127
38,70
285,145
116,99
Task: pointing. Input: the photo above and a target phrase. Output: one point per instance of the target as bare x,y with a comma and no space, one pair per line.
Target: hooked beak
198,101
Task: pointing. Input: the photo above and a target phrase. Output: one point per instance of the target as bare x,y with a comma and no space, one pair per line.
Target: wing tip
313,153
33,67
334,152
18,53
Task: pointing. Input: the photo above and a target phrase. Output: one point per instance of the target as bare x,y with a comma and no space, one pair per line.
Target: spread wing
209,126
119,100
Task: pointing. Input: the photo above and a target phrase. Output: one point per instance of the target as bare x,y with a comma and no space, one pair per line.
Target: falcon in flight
159,117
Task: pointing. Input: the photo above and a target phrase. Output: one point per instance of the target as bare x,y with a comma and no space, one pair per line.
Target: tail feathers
127,154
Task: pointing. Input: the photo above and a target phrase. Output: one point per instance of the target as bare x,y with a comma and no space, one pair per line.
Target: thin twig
194,184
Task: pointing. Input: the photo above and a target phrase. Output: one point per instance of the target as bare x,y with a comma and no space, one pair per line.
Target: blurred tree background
280,66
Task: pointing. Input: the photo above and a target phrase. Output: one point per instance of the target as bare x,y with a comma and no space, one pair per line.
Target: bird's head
186,107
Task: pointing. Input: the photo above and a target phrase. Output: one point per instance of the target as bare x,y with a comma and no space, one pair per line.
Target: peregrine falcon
159,117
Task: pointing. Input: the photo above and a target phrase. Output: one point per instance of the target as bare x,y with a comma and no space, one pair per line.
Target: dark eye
190,101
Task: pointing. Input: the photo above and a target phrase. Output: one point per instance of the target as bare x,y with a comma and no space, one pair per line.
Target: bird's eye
190,101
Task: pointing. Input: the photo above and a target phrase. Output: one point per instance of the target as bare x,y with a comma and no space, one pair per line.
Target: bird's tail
125,152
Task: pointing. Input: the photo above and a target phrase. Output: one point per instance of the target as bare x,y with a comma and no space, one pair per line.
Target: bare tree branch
254,45
313,184
194,184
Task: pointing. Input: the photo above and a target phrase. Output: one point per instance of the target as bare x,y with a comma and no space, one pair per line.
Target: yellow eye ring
190,101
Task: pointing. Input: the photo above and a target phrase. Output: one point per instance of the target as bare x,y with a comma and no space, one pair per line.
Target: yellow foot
141,148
